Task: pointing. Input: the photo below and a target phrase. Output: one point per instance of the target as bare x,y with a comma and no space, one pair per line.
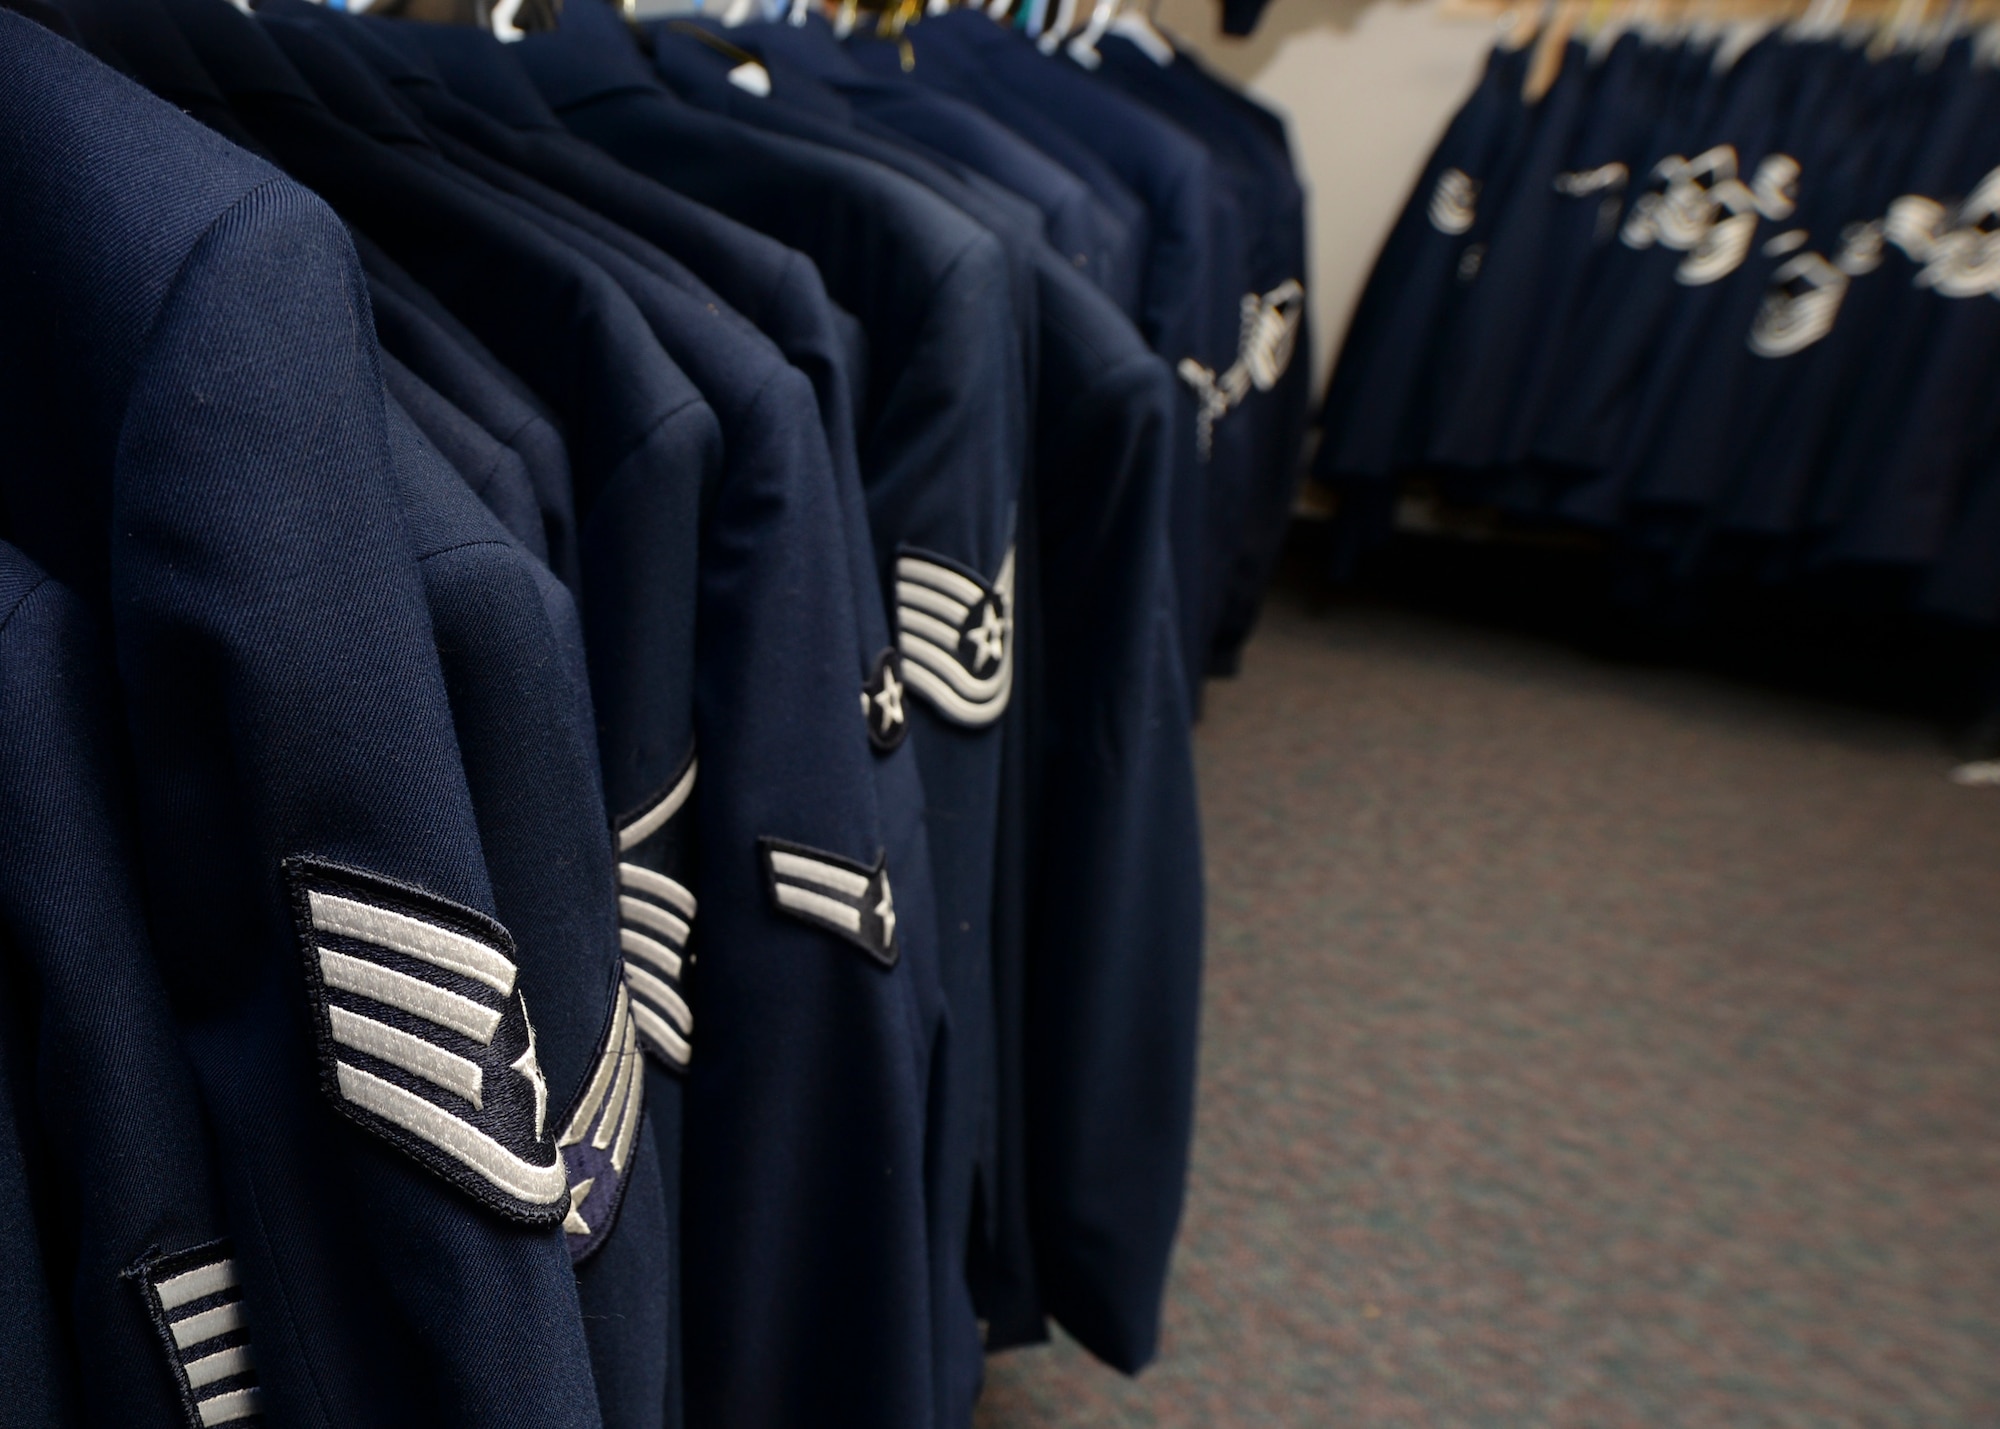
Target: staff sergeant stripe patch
424,1035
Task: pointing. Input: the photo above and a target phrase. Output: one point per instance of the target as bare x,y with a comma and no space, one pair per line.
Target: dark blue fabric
657,417
1371,399
455,364
146,46
515,672
773,445
1186,313
1799,397
96,1080
775,287
1612,132
511,650
495,474
933,407
1097,430
193,377
1483,349
1110,969
1632,287
1905,441
54,20
1081,229
1703,406
1107,1272
1131,235
1667,321
1253,159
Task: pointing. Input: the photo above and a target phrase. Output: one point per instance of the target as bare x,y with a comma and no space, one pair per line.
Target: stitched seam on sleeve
472,544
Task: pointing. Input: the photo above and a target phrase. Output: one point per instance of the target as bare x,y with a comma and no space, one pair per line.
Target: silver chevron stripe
440,947
654,819
536,1185
598,1135
655,916
456,1074
956,638
1453,201
834,893
201,1311
655,920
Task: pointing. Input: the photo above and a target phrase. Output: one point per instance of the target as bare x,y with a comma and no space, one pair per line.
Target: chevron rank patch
424,1038
596,1139
846,898
956,635
882,704
656,918
196,1305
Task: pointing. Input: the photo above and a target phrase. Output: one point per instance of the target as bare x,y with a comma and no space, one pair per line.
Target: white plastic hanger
1065,21
1138,27
504,27
1083,49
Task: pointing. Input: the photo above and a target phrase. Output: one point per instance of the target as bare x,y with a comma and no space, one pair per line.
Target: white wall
1368,88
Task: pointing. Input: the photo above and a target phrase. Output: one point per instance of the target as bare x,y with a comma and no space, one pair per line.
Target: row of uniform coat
1730,296
598,815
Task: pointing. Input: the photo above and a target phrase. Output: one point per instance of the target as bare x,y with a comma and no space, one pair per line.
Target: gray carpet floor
1585,1045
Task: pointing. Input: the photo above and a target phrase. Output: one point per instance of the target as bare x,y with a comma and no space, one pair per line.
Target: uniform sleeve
284,701
111,1085
1115,982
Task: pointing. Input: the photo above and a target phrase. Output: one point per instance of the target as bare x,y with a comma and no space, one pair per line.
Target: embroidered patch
1958,247
656,919
1267,336
1454,202
882,704
844,897
196,1305
424,1038
596,1140
956,635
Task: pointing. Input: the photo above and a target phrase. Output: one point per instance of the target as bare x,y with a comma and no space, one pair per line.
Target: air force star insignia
596,1140
956,634
849,899
882,704
423,1036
